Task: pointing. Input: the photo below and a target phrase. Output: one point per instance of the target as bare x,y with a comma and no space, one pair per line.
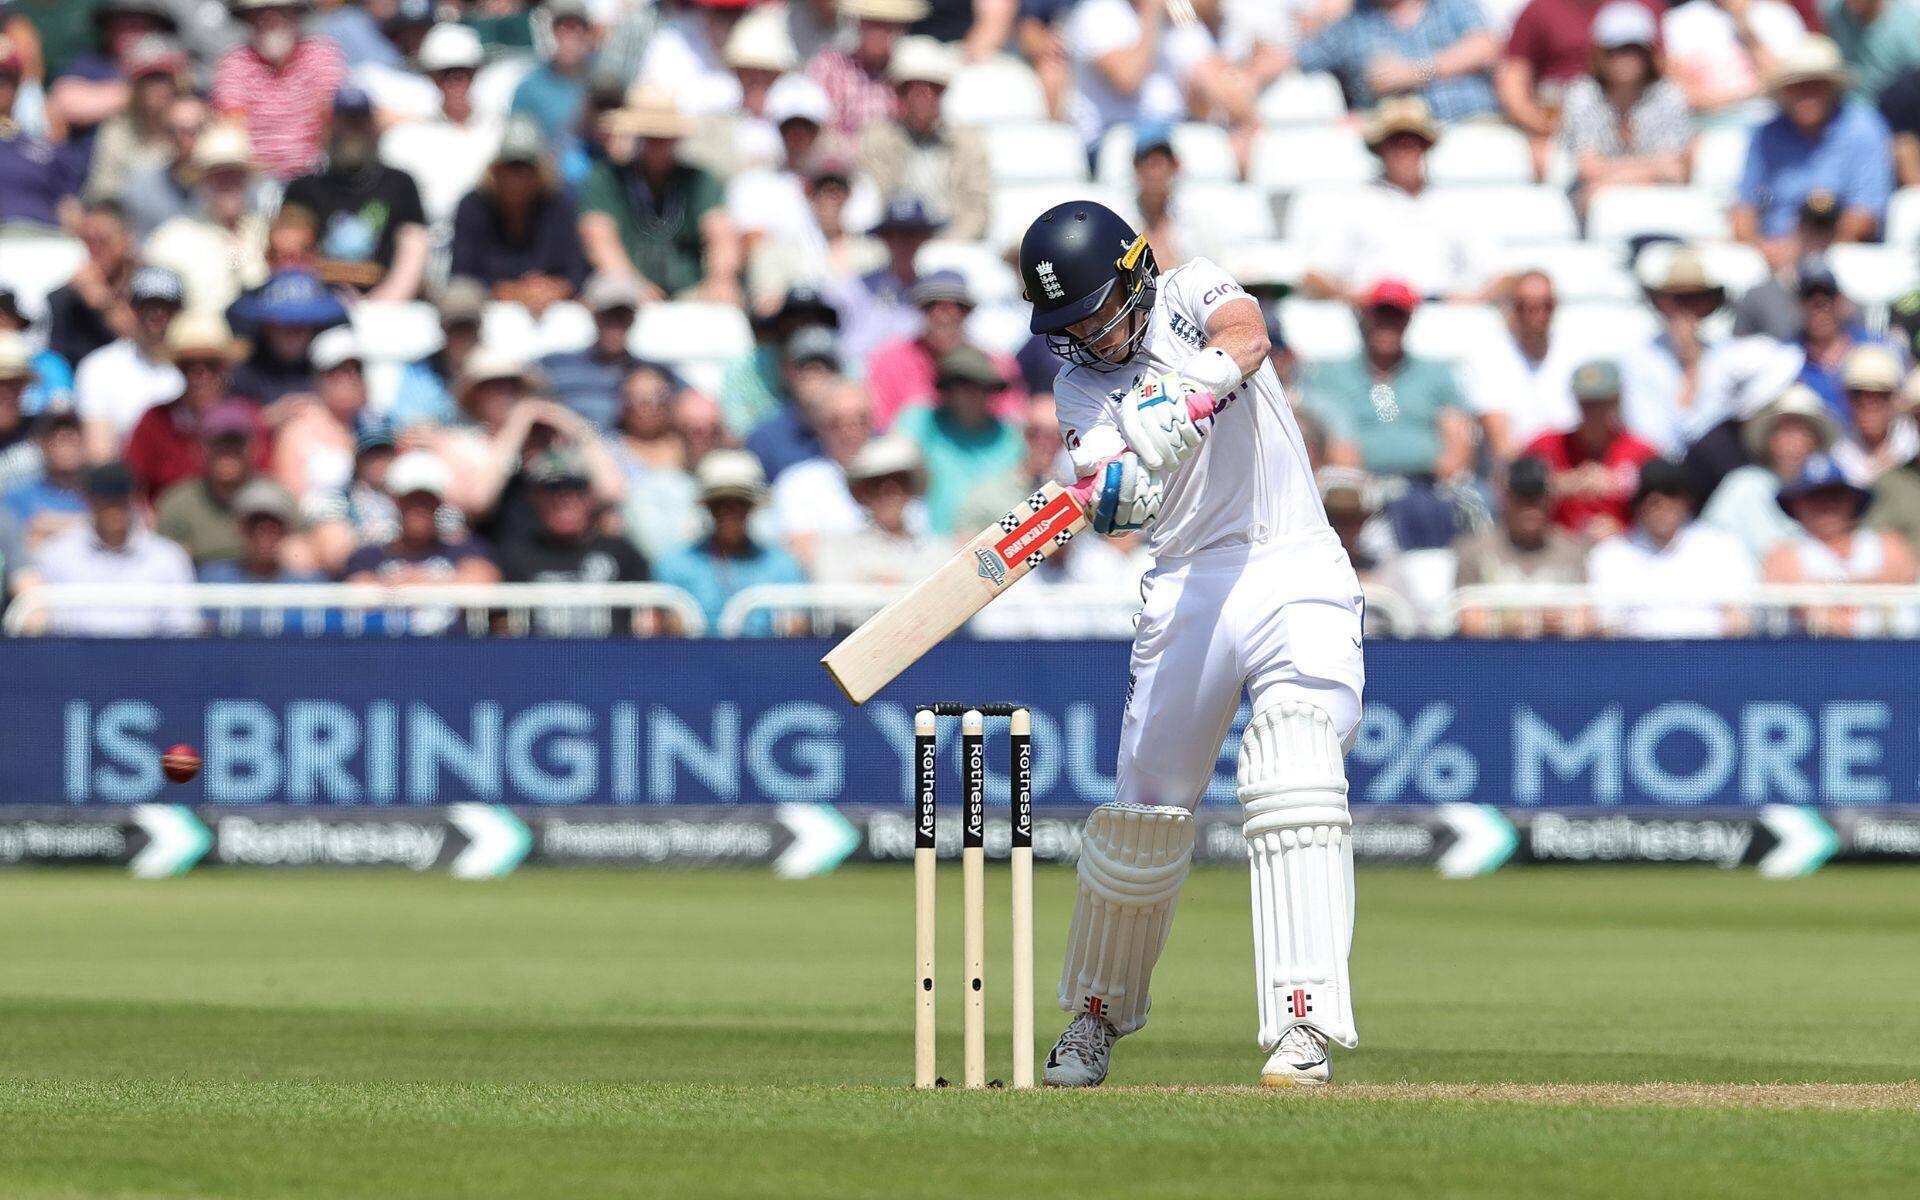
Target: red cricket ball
181,763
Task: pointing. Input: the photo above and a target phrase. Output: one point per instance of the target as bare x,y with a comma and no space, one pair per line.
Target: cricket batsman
1250,589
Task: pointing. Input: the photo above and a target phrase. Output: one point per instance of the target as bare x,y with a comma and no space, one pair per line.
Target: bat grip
1200,406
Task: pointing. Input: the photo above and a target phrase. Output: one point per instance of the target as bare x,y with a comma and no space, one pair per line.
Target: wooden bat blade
897,636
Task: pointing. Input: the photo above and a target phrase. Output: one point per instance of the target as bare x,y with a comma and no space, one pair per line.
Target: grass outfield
1572,1033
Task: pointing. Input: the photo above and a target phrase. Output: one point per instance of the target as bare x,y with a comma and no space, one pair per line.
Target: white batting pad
1293,792
1133,858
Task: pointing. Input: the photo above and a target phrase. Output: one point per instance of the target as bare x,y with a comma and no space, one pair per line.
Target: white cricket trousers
1280,619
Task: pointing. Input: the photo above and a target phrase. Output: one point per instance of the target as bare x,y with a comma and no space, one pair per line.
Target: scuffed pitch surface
579,1034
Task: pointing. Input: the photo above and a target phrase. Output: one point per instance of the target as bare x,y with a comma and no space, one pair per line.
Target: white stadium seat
1290,160
1034,152
1513,216
1872,275
1733,265
563,328
509,329
1450,331
390,331
1296,99
691,332
1000,327
1013,208
494,86
1604,329
1580,271
1719,159
1266,264
1618,214
988,276
1903,220
32,267
1479,155
1205,154
1310,212
1319,330
999,89
1214,216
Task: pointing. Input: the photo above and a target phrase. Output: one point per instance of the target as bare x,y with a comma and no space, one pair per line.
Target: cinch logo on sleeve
1219,291
1049,282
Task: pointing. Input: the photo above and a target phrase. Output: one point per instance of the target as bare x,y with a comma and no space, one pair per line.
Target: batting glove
1127,496
1157,424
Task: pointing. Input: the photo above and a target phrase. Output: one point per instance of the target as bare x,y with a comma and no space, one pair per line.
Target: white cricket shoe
1079,1058
1300,1060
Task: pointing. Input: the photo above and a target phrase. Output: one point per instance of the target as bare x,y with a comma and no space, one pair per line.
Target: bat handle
1200,406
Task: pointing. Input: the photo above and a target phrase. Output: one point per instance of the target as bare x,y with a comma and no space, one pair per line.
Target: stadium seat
988,276
1719,159
35,266
494,86
1580,270
1619,214
1735,266
1000,89
1217,215
1871,275
1266,264
1000,327
563,328
1205,155
509,329
691,332
1295,99
1319,329
1034,152
1312,156
1480,155
1903,220
1309,213
1450,331
390,331
1604,329
1513,216
1013,208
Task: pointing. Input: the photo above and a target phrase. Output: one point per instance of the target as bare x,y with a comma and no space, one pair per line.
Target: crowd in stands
715,292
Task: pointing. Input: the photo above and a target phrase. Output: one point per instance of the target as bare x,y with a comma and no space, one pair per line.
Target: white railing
1765,610
354,609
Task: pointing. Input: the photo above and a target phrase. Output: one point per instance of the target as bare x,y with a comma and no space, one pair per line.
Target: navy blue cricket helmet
1073,257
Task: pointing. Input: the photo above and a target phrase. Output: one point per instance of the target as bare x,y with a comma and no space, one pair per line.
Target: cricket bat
897,636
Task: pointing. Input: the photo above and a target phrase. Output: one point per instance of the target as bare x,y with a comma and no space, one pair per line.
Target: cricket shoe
1079,1058
1300,1060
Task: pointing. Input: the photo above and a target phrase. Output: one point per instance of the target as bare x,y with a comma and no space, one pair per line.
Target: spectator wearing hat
827,253
768,201
566,545
1830,330
855,75
421,552
167,444
198,512
52,383
314,435
729,558
888,542
900,373
373,228
1668,575
112,547
654,219
688,58
1392,227
518,232
1548,47
1624,122
133,137
266,519
1821,139
810,499
1671,394
1829,545
220,250
51,500
1521,385
394,79
1437,51
1722,52
757,55
99,83
284,316
1351,501
422,395
280,84
93,308
554,94
966,448
361,513
877,307
1527,546
1772,306
116,384
921,153
1794,427
1156,173
1594,466
1878,39
448,148
588,381
663,432
1385,409
19,456
38,183
755,387
156,193
506,426
807,373
1882,434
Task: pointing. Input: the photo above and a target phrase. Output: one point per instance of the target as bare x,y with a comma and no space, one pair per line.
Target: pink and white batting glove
1158,426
